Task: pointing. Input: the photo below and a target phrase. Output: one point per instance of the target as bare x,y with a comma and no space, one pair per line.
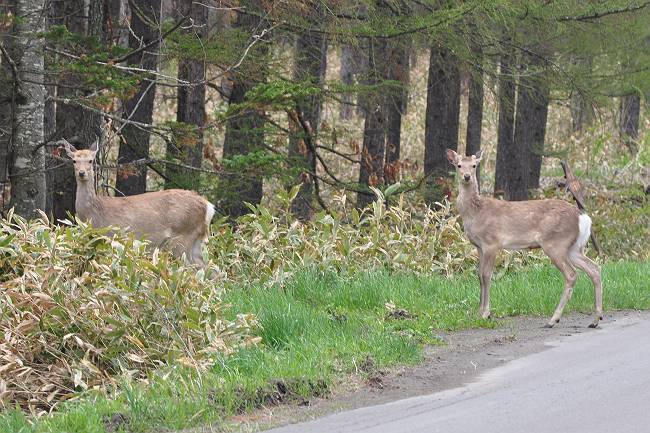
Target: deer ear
69,148
95,146
452,156
478,155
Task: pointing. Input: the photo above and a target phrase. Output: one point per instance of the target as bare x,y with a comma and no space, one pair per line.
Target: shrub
82,306
265,247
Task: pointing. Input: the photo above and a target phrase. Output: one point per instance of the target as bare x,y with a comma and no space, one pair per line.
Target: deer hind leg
562,262
584,263
197,253
486,265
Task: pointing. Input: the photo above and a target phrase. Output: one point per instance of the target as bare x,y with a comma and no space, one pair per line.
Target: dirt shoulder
463,356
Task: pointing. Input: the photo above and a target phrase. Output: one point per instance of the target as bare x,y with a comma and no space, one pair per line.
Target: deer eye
474,166
458,165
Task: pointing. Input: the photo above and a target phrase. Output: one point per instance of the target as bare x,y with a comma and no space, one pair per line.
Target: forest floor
463,356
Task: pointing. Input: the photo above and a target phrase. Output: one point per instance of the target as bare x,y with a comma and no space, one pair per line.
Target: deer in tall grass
174,219
555,226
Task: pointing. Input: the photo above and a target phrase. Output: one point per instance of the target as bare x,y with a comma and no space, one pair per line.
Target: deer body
175,219
553,225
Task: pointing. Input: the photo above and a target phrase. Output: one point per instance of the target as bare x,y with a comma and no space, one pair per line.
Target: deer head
82,160
465,165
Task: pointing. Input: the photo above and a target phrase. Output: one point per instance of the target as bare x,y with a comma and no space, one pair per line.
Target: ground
465,355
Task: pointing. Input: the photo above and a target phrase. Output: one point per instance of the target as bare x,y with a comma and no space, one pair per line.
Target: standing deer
175,219
557,227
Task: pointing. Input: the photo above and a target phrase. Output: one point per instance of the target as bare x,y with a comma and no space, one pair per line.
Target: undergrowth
320,329
82,309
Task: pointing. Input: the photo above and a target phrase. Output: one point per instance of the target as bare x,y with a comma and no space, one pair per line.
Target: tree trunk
629,121
537,125
311,65
441,122
245,131
9,98
49,113
117,14
91,122
397,101
371,171
61,185
505,130
474,117
582,112
522,150
28,171
347,78
244,135
187,147
354,63
134,143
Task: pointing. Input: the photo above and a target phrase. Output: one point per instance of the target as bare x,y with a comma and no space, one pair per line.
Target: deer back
159,216
524,224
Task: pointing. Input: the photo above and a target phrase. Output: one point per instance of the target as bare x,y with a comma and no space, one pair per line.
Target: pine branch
598,15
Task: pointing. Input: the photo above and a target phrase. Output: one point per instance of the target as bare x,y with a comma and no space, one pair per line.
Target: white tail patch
209,214
584,225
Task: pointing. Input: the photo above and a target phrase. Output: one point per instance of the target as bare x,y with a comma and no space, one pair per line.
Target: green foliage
260,160
318,329
90,61
226,49
622,222
81,306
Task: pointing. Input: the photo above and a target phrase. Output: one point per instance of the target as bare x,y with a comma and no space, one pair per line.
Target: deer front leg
486,264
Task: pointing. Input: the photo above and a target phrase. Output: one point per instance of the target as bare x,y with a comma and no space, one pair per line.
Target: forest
318,130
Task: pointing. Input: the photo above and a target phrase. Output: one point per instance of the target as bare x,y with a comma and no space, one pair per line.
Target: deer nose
82,173
467,176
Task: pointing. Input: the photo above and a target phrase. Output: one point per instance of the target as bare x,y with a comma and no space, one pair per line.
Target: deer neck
469,199
86,200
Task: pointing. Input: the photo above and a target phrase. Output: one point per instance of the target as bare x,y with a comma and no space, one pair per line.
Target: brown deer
556,226
175,219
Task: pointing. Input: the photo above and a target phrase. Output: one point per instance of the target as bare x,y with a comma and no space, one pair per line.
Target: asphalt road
593,382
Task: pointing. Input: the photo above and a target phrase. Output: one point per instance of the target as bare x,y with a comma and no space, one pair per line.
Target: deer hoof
486,315
552,323
594,324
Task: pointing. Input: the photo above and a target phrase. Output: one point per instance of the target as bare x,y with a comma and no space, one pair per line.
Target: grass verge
318,329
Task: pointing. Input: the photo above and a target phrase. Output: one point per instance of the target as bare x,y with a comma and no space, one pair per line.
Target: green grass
318,329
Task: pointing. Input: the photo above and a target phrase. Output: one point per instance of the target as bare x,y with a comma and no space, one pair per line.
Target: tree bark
61,186
188,146
354,63
244,132
371,171
540,93
9,98
522,151
441,122
346,74
582,112
397,101
475,117
310,66
505,130
27,173
134,143
630,108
